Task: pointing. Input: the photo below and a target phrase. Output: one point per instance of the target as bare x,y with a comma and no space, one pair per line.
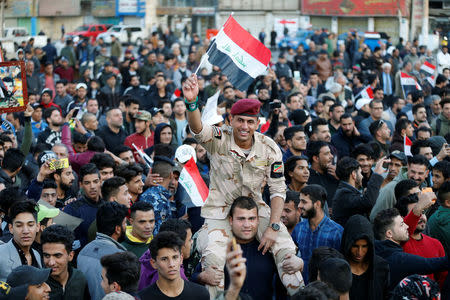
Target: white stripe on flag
192,182
427,69
240,57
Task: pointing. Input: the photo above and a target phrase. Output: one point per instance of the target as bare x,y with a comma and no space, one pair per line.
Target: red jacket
140,141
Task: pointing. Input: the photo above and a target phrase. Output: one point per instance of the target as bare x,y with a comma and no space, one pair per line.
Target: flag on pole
193,183
366,93
428,68
407,146
240,56
409,84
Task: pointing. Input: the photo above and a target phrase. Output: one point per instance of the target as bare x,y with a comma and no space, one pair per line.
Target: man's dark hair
121,149
78,138
383,221
444,101
166,239
377,101
128,172
244,203
418,159
346,116
443,167
8,197
423,128
130,100
403,187
49,184
314,125
111,186
337,274
140,206
375,126
316,290
110,215
179,226
123,268
13,160
416,95
345,167
318,255
48,112
58,234
163,168
289,132
292,196
363,149
96,144
163,150
444,192
88,169
19,207
332,107
417,144
289,98
416,107
190,141
402,203
313,149
290,165
102,161
401,124
315,193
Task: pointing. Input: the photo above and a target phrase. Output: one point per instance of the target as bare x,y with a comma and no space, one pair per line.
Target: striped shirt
328,233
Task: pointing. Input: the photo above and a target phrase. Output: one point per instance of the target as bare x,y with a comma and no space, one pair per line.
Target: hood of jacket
158,130
443,216
357,228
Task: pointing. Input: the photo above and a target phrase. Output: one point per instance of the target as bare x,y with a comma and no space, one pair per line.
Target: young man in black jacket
349,200
391,231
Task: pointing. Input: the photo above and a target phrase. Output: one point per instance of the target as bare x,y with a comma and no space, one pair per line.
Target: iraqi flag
409,84
431,80
238,54
366,93
428,69
407,146
193,183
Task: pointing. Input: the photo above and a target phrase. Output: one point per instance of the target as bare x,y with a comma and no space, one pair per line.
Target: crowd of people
317,190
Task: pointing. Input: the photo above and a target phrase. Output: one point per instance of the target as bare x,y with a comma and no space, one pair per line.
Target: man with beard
411,208
131,109
291,213
391,231
416,170
365,156
349,200
113,134
52,134
159,196
296,173
316,229
111,228
264,99
347,137
322,170
296,141
398,160
381,135
143,137
65,281
420,115
87,205
391,113
336,111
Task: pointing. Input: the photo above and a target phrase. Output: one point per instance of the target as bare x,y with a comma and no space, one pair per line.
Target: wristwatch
275,226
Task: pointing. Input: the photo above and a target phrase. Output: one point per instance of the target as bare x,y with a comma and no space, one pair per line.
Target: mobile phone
385,165
428,190
297,75
75,112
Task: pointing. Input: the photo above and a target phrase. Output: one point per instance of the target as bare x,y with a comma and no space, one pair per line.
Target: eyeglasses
380,123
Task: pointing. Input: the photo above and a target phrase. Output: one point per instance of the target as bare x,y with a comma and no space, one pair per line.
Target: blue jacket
85,209
89,262
346,145
402,264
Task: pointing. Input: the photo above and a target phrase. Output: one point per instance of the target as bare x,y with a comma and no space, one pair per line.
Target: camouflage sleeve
275,174
209,137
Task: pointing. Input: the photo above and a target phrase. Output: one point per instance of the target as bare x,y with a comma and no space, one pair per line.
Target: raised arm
190,92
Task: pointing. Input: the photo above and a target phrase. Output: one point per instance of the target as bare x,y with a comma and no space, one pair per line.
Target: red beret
246,107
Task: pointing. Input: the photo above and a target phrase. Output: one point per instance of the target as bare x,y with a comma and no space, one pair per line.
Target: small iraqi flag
409,84
367,93
239,55
428,68
193,183
407,146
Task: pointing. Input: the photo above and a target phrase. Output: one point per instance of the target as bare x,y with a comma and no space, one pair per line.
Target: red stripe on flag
426,63
191,168
246,41
407,141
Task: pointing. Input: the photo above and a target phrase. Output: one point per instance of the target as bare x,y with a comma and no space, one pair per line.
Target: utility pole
2,14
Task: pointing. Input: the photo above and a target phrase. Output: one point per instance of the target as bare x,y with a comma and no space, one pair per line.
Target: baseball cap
28,275
46,212
184,153
9,293
36,105
156,110
299,116
118,296
81,85
143,115
398,155
48,91
45,156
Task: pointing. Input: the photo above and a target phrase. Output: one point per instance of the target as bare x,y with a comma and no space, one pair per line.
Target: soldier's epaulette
227,129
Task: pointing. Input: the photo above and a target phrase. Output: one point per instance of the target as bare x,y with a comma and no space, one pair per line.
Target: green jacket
116,49
132,244
444,125
439,225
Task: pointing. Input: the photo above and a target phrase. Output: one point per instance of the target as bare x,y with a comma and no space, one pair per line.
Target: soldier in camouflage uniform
241,161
